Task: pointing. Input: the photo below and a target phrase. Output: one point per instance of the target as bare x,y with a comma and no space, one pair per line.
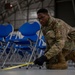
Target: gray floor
37,71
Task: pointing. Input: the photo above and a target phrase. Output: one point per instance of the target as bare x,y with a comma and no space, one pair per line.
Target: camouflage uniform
60,44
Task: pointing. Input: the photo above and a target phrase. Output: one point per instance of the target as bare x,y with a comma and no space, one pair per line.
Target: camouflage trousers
60,60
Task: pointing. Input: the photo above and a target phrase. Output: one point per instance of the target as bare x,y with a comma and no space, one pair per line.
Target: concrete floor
34,70
38,72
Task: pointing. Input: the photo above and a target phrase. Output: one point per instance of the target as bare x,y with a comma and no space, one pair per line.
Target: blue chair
5,30
29,32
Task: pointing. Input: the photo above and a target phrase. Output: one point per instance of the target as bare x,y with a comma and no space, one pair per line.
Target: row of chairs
25,49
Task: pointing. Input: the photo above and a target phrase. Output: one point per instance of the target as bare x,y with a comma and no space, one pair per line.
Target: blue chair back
5,30
28,29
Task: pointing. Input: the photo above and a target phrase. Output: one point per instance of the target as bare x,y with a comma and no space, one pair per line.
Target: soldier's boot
61,64
71,56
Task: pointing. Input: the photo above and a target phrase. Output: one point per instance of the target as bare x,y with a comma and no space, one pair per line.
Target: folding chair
5,30
30,34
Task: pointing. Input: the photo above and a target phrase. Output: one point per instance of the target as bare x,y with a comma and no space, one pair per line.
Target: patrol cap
42,10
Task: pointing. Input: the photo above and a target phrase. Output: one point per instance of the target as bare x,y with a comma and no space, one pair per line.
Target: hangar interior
18,12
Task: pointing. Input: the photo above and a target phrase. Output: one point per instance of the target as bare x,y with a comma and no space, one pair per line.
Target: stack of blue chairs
29,41
27,47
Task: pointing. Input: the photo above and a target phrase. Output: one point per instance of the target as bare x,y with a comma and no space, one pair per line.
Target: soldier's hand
39,61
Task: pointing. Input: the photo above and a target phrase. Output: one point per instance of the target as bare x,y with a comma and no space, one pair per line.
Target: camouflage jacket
56,33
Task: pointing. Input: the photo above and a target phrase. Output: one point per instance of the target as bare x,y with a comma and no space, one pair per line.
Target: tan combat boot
60,64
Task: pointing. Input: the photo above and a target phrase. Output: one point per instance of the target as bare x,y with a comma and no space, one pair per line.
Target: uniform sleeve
60,36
